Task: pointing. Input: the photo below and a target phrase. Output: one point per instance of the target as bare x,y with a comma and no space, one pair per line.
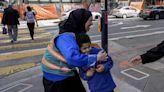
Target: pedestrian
63,55
150,56
31,19
10,18
99,79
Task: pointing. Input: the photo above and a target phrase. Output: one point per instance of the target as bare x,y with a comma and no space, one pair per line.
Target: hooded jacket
66,42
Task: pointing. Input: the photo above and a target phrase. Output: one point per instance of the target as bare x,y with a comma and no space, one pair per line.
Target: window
33,1
76,1
55,0
45,1
136,0
66,1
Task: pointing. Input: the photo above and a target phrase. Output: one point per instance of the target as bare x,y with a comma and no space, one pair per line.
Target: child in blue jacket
99,78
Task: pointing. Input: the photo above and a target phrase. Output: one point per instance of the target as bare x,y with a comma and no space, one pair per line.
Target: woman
30,17
62,55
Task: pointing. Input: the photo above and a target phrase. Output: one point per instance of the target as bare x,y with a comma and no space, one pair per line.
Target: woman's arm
68,47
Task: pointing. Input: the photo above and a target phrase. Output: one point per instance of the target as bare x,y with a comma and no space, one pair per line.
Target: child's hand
90,72
100,68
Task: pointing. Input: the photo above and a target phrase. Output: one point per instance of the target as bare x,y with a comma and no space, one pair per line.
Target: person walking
10,18
99,78
151,55
63,55
30,17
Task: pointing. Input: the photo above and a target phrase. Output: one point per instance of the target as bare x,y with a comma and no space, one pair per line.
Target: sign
102,4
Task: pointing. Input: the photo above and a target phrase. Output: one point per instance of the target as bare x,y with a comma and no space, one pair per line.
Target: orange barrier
45,11
138,5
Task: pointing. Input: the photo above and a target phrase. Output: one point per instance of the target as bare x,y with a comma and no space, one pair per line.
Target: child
99,79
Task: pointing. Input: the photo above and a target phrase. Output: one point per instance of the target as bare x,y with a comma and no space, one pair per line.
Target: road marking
119,23
131,36
13,46
137,26
27,86
22,80
136,71
20,54
27,37
136,31
16,68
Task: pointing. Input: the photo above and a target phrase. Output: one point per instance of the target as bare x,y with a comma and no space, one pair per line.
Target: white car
125,11
95,15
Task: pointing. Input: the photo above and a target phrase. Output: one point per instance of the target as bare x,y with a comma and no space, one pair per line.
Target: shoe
12,41
15,41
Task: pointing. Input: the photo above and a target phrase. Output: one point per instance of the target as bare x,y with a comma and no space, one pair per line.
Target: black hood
75,22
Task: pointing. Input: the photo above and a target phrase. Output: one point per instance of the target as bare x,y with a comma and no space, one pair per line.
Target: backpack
30,17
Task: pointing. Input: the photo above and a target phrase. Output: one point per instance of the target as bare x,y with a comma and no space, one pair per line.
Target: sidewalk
32,78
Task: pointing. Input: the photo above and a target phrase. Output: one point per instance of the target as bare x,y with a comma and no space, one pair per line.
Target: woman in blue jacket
63,55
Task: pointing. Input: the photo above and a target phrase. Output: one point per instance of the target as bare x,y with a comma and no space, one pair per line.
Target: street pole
104,25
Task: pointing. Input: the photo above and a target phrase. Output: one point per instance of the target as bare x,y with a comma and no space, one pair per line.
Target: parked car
95,15
125,11
153,12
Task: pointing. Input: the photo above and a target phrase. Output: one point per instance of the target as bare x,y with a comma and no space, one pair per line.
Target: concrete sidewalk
33,77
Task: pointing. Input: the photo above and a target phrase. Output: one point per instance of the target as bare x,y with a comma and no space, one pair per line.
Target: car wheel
116,16
145,18
97,17
124,16
156,16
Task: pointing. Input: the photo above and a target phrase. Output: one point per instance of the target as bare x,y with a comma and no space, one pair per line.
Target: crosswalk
26,50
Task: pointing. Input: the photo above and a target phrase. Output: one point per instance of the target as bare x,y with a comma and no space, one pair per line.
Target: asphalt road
127,38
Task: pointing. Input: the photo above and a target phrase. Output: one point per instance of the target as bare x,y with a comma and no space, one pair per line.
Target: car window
160,7
133,9
150,7
119,7
127,8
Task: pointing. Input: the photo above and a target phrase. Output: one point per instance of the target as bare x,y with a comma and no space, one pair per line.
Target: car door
162,12
134,12
127,11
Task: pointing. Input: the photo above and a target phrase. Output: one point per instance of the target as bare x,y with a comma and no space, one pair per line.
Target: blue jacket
100,82
67,46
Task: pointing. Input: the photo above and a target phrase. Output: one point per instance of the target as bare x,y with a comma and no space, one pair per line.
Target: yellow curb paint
15,68
22,45
28,38
24,31
21,55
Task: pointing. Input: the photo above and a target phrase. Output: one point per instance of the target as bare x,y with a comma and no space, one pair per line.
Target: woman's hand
102,56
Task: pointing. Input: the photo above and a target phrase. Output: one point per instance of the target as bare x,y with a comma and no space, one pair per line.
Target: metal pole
104,25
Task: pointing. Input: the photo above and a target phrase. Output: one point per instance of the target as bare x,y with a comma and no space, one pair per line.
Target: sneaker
15,41
12,41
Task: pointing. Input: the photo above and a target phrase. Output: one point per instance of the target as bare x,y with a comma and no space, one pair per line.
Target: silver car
95,15
125,11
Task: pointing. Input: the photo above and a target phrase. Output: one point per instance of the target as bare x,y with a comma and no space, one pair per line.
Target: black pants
71,84
31,29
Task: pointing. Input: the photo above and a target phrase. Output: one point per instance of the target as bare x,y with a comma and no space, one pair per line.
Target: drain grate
135,74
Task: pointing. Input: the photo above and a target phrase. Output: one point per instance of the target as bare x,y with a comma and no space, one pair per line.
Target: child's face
85,48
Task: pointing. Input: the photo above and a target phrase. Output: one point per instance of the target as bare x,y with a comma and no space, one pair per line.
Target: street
19,68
